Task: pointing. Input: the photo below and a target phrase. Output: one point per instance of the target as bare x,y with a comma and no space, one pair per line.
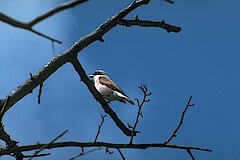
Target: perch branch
146,23
8,151
174,134
81,72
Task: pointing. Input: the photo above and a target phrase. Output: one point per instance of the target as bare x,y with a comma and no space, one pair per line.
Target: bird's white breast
104,90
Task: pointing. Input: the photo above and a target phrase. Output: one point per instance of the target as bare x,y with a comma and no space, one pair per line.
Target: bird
108,89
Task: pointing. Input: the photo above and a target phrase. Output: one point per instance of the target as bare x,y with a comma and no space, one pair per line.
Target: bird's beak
90,76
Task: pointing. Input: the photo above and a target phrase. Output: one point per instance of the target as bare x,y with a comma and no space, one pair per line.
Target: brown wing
108,82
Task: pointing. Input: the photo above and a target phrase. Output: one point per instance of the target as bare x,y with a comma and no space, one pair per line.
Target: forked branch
28,26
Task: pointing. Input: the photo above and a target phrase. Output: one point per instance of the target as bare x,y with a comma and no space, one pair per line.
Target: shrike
108,89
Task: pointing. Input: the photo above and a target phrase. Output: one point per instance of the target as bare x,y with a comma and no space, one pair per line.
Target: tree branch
10,143
25,26
144,89
121,154
59,8
99,127
84,153
48,144
190,153
174,134
145,23
28,26
40,93
8,151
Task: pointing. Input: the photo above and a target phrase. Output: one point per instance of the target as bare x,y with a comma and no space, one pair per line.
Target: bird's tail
130,101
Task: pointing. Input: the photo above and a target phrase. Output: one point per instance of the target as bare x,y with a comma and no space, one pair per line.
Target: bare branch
6,138
84,153
25,26
121,154
190,153
144,89
81,72
10,143
39,155
48,144
99,127
28,26
58,9
40,93
8,151
45,36
170,1
174,134
146,23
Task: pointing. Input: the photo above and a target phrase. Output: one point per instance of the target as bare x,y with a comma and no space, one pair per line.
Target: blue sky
201,61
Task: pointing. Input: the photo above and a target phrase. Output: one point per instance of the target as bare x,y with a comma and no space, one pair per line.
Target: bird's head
98,72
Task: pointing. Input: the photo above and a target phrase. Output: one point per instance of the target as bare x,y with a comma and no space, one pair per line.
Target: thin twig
99,127
3,108
48,144
39,155
170,1
108,151
45,36
40,93
190,153
121,154
84,153
146,23
145,99
58,9
174,134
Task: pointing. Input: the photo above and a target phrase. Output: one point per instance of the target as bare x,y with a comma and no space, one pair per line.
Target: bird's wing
108,82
